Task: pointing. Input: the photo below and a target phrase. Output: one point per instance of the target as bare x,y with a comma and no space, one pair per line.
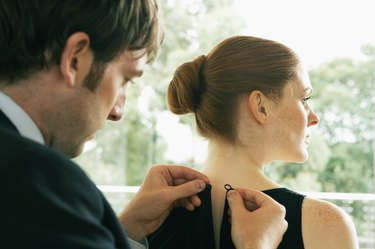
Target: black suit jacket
47,201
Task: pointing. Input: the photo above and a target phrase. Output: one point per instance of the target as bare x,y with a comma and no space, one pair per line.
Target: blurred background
336,41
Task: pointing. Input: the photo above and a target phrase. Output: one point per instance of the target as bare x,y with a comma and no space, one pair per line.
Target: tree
346,100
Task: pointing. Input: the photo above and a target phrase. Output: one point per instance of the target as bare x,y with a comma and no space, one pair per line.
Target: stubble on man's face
75,126
95,76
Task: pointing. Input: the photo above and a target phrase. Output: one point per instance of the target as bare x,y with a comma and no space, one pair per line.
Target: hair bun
186,88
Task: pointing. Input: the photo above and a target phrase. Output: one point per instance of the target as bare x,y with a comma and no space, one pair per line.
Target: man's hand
164,187
257,220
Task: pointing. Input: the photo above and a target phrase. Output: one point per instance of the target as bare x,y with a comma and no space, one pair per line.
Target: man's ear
257,103
76,58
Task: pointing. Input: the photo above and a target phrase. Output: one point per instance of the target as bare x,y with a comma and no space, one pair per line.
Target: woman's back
184,229
311,224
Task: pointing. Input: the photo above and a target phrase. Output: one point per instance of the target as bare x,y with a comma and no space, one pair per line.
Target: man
64,66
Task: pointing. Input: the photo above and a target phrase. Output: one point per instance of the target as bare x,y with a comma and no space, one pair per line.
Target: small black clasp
228,187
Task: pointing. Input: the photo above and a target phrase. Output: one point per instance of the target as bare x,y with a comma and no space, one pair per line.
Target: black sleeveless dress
194,230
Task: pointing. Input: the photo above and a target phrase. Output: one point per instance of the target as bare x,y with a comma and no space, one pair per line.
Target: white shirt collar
20,119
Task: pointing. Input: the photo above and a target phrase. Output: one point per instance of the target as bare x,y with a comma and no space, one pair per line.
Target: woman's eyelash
306,99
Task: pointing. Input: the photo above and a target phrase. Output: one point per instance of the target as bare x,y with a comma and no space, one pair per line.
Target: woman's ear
76,58
257,103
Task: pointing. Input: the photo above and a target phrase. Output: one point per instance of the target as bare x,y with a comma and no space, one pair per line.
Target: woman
250,100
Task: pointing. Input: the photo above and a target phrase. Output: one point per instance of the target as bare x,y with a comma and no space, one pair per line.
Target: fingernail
230,193
200,185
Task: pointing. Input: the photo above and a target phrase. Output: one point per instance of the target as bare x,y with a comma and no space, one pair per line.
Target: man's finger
183,172
235,202
185,203
254,196
186,190
251,206
179,181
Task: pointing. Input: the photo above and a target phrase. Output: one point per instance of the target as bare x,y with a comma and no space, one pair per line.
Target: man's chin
75,153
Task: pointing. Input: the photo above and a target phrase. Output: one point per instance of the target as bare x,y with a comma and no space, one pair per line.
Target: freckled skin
324,225
291,118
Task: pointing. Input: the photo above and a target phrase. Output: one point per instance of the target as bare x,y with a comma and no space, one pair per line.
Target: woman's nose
313,119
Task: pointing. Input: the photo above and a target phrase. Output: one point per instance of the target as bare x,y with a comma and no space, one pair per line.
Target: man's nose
118,108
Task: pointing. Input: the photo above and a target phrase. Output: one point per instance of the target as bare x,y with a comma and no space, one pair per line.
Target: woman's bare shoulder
325,225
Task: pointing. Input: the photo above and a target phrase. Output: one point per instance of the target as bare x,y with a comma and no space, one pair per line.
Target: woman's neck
236,166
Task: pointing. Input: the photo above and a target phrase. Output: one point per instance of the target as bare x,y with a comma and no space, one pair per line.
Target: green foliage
348,170
345,90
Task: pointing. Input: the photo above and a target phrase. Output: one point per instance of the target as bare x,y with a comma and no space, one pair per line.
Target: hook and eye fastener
228,187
